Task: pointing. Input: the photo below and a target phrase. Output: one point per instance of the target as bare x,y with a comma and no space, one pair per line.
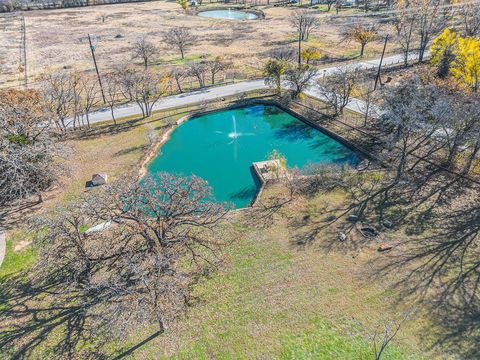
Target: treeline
22,5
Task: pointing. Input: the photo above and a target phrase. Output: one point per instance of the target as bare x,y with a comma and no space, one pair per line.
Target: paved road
212,93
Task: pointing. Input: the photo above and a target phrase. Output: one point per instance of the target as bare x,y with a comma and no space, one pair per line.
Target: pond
228,14
221,146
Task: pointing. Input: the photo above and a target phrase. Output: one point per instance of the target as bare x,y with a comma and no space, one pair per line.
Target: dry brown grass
56,39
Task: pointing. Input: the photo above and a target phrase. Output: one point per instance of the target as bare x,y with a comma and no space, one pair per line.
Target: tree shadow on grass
435,260
132,349
99,131
34,317
131,149
106,129
16,212
47,320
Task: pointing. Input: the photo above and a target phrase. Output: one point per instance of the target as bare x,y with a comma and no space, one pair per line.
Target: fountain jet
234,134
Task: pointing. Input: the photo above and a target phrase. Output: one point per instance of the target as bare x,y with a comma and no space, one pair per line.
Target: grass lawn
16,261
286,290
274,299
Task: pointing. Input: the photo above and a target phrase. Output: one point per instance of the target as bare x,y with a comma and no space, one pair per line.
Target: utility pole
380,65
300,46
24,42
300,27
92,49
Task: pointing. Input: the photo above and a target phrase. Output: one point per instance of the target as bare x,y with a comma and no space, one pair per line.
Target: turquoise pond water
220,147
228,14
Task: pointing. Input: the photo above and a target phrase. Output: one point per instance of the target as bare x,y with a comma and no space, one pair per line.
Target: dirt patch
23,244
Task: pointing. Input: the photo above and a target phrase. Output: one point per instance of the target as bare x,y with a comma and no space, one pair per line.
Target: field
287,289
325,264
57,39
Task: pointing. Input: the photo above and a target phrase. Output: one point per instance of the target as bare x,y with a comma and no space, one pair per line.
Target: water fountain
221,150
234,134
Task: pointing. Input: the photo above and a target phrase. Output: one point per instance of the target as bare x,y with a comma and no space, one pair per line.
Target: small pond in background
228,14
220,147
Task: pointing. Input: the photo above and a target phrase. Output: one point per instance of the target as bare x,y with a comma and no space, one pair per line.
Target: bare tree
431,20
404,22
417,136
89,89
178,74
282,54
337,88
132,272
390,331
125,77
215,66
198,69
147,90
57,89
304,22
299,78
180,37
28,145
144,49
470,17
77,95
113,92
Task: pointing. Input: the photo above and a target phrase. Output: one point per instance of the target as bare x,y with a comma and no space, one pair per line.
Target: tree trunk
178,85
88,119
407,49
113,116
421,51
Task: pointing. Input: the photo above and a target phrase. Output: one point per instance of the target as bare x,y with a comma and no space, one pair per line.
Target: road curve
217,92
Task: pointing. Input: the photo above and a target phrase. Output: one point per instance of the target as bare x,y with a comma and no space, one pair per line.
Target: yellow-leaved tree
458,56
184,4
466,66
443,51
311,54
361,34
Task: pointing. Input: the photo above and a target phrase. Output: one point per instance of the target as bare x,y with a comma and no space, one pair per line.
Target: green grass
272,301
324,341
16,261
177,59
